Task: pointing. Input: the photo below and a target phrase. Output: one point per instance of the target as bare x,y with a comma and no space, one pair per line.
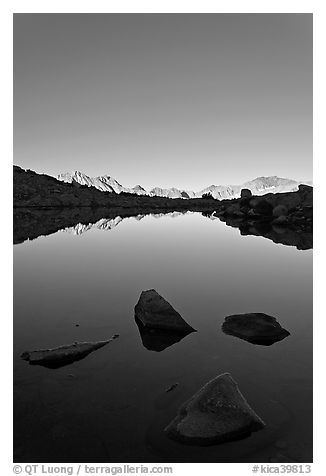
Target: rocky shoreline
285,218
280,209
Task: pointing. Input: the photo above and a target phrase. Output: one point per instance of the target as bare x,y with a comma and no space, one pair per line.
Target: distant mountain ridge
258,186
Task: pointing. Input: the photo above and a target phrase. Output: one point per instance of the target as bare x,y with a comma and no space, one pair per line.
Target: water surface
112,406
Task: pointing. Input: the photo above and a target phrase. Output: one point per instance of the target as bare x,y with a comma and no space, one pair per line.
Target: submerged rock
64,355
172,387
256,328
153,311
217,413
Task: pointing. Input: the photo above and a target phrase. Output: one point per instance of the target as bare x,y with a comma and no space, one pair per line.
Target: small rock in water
256,328
172,387
217,413
63,355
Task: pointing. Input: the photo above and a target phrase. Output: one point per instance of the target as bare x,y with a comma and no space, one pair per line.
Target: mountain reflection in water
29,224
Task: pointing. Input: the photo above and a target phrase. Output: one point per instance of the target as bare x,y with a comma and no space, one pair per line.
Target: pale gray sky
182,100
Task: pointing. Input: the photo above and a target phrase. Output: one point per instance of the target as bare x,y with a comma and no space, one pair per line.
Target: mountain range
258,186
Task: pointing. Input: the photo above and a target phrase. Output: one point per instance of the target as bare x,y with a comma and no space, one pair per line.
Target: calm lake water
112,406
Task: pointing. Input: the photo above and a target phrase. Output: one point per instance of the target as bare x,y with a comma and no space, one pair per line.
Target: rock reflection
29,224
158,340
288,236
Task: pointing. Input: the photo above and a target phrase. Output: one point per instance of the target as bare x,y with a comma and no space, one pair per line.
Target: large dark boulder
290,200
233,209
217,413
256,328
153,311
280,210
245,193
306,189
263,207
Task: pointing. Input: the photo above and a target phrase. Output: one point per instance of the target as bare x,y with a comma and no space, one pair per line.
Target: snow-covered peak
258,186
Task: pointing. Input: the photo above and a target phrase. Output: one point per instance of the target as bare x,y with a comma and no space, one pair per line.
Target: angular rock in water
217,413
153,311
256,328
64,355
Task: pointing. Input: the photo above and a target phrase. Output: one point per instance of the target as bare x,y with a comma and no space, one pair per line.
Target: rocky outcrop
280,210
64,355
285,218
256,328
154,312
217,413
245,193
271,205
261,207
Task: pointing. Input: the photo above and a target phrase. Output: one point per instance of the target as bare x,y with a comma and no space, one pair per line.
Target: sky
184,100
